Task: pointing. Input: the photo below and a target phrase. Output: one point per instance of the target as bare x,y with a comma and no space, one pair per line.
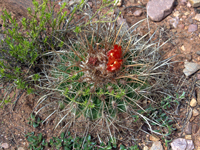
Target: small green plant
25,42
66,142
34,120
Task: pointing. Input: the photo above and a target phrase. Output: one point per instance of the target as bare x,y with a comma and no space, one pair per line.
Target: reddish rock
159,9
181,26
192,28
137,13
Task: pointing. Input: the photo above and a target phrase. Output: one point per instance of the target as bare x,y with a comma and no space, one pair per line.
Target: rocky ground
180,22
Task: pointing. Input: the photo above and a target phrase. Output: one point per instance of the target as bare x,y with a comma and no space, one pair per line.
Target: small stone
197,17
188,128
181,26
119,4
159,9
20,148
153,138
195,112
189,57
192,28
190,68
138,13
5,145
193,102
198,53
198,96
186,13
145,148
178,144
188,137
156,146
183,48
195,3
176,14
189,5
90,4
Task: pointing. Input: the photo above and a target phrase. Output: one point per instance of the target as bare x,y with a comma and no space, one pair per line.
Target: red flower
114,61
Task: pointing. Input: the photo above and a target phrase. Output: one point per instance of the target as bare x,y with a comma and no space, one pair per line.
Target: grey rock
198,53
192,28
188,129
159,9
195,3
190,68
156,146
182,144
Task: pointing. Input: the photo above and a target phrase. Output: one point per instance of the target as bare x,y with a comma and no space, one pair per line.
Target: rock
188,137
90,3
153,138
119,4
174,22
156,146
198,53
197,17
195,112
5,145
195,3
182,144
145,148
189,5
183,48
181,26
159,9
192,28
193,102
188,57
138,13
20,148
188,128
190,68
198,95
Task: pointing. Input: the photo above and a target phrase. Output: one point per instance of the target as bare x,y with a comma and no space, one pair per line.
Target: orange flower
114,61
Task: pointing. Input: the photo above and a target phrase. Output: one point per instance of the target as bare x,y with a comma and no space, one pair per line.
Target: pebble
195,3
189,57
192,28
5,145
156,146
188,128
195,112
181,26
90,4
188,137
20,148
197,17
193,102
138,13
198,53
198,96
158,10
145,148
190,68
119,4
153,138
182,144
189,5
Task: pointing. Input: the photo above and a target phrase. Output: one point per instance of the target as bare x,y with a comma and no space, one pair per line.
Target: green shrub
25,41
